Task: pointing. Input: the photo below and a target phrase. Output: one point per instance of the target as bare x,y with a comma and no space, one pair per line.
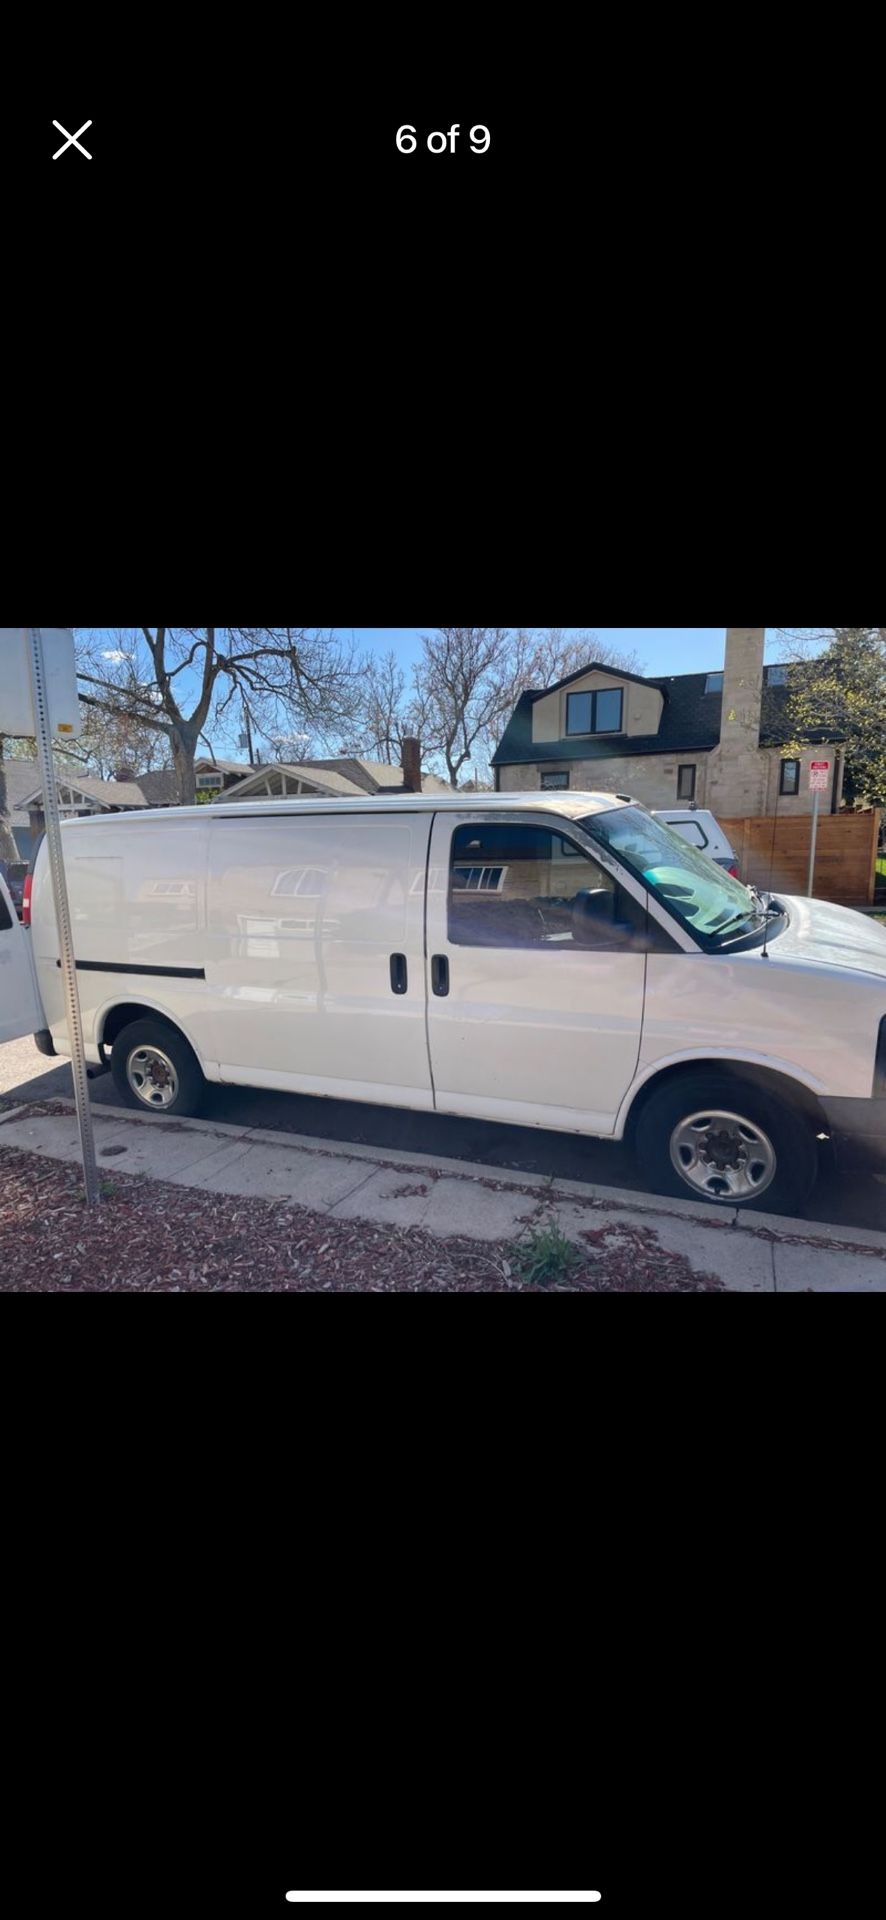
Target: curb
766,1226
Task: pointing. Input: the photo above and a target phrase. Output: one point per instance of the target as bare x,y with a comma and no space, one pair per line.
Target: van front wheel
155,1070
707,1137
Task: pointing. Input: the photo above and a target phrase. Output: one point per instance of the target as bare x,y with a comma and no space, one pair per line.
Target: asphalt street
851,1194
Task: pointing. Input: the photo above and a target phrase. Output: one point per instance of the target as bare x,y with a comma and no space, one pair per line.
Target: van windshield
713,907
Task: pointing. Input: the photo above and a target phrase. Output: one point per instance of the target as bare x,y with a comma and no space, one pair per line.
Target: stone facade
736,779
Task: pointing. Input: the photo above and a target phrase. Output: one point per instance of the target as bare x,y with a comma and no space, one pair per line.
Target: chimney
410,760
124,773
742,687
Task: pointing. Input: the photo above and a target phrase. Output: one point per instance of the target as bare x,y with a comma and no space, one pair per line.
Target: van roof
570,803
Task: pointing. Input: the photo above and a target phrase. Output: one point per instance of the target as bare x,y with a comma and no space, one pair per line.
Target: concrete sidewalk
753,1253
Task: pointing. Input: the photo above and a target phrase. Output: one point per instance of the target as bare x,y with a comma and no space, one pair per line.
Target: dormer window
598,712
714,683
775,676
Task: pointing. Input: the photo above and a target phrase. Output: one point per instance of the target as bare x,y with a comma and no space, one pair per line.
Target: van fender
728,1056
209,1068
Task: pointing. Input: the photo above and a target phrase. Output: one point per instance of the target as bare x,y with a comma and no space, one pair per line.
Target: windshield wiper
741,919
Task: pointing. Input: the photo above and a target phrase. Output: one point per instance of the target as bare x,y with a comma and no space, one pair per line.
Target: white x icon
72,139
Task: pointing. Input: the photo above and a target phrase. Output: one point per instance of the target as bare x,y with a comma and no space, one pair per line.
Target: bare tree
391,709
554,653
457,681
176,677
115,736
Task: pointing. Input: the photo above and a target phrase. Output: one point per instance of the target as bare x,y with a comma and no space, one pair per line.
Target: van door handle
398,973
440,974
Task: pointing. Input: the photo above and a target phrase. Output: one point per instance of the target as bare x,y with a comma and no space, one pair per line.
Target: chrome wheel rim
723,1156
152,1077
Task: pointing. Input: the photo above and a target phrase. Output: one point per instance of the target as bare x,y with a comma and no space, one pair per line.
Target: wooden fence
775,853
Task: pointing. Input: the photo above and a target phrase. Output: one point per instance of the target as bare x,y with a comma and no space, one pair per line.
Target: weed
545,1257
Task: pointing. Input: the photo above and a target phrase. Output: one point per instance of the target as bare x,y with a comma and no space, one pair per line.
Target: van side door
315,961
537,966
21,1012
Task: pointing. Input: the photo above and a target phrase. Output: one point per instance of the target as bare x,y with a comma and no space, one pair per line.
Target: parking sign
818,776
62,705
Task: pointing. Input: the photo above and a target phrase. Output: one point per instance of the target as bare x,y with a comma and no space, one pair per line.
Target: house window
714,683
478,879
554,782
686,783
790,777
594,712
776,676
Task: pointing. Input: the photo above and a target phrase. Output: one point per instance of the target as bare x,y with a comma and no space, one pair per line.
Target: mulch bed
149,1236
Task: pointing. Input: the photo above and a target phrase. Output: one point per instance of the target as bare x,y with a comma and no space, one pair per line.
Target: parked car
700,829
551,960
13,872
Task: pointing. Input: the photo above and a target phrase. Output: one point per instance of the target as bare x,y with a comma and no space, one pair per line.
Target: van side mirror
594,921
593,907
593,918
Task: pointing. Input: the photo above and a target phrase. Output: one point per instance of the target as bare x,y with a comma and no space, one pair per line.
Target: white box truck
552,961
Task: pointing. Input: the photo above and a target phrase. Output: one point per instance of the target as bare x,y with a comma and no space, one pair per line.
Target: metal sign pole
815,799
62,914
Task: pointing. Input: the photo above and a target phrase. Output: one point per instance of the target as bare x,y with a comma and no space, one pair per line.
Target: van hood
829,936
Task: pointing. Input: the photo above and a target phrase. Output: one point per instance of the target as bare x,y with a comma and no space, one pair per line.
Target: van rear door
20,1008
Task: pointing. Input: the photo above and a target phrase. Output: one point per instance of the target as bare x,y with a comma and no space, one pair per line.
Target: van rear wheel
155,1070
709,1137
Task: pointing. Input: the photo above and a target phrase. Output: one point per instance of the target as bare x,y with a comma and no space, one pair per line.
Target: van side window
527,886
689,830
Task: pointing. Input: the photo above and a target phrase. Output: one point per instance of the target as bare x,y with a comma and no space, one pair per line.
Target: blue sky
661,649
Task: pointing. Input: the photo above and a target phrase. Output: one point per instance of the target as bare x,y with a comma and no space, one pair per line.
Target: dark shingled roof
690,723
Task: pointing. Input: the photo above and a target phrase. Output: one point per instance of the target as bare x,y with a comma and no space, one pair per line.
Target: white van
564,962
701,830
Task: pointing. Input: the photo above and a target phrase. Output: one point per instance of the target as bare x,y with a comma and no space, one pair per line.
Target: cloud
114,653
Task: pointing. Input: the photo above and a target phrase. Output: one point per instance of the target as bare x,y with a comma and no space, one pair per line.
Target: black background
325,1588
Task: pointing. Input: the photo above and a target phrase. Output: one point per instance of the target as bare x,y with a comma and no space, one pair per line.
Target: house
705,739
343,777
83,794
213,776
19,783
76,796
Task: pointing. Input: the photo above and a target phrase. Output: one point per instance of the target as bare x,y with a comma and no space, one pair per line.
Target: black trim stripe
124,966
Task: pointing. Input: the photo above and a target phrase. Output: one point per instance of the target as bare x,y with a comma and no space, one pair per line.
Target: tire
167,1069
768,1163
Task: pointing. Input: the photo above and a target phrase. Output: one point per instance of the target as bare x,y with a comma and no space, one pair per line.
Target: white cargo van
562,962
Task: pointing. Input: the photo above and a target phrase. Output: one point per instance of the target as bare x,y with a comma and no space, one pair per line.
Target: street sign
818,783
59,682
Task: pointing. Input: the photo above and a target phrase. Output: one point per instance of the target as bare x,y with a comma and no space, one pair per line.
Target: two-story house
711,740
